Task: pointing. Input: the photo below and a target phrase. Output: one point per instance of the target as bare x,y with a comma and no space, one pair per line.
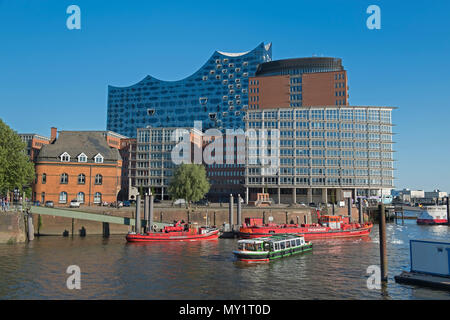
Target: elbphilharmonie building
217,95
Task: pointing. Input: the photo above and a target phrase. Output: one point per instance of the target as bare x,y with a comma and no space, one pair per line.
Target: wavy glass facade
323,151
216,94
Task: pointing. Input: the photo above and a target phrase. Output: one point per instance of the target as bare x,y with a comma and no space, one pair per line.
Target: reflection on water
114,269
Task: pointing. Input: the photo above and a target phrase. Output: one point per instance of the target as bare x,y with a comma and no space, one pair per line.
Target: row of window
65,157
80,197
64,179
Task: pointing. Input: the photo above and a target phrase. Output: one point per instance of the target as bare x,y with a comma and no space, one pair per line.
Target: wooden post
298,218
151,213
448,212
146,205
383,249
403,218
137,225
287,218
160,216
105,229
214,218
188,217
73,222
361,217
264,217
349,203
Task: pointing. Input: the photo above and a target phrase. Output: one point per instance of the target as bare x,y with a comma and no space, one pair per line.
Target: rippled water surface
113,269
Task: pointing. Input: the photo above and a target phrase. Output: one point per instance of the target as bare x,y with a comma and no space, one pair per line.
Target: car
75,204
126,203
179,201
202,202
312,204
49,204
156,200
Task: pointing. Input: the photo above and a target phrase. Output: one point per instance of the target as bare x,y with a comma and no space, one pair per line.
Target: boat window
267,246
252,247
277,246
297,241
293,243
240,246
282,245
288,244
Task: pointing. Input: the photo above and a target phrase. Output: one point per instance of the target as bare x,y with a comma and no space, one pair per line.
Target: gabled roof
74,143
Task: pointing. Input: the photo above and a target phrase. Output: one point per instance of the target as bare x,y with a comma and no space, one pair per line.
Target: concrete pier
30,227
239,212
230,212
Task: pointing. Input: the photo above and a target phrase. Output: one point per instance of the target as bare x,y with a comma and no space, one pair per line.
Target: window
98,158
65,157
80,197
98,179
63,197
97,197
64,178
81,179
82,158
44,178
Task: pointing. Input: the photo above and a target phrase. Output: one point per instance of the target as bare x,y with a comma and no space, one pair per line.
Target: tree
189,182
16,168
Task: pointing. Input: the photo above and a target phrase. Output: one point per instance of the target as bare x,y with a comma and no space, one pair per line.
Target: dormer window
82,158
98,158
65,157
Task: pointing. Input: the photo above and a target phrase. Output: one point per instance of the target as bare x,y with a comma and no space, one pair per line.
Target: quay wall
12,228
54,225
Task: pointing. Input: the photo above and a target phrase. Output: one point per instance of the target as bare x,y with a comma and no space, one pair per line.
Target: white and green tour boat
269,248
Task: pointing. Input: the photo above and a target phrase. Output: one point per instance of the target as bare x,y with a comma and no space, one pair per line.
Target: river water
113,269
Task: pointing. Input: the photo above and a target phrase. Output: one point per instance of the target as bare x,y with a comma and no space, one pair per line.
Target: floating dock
425,280
430,264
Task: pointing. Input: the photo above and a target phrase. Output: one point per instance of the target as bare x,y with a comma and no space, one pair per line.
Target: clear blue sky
52,76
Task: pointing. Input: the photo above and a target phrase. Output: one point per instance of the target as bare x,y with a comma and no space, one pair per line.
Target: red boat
179,232
328,227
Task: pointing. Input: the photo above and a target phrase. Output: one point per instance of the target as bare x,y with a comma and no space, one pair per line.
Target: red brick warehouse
82,165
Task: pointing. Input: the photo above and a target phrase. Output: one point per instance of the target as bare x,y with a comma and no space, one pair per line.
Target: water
113,269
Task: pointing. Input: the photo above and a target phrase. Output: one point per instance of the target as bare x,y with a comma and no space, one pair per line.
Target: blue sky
52,76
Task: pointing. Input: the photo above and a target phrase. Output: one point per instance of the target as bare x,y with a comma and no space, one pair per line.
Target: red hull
431,221
172,236
310,233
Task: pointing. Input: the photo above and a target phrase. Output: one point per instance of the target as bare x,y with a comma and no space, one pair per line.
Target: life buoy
154,227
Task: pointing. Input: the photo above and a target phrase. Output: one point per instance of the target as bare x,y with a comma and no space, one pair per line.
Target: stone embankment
12,228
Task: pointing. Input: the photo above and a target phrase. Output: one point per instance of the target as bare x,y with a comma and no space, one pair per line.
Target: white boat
433,215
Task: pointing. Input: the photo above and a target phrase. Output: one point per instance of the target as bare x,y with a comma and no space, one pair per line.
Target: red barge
328,227
179,232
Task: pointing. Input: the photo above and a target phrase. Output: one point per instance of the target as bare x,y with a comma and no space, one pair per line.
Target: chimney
53,133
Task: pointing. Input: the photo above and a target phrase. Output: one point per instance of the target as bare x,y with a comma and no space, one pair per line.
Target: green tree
189,182
16,169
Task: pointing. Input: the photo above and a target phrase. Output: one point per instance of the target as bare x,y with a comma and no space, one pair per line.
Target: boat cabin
333,222
275,243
